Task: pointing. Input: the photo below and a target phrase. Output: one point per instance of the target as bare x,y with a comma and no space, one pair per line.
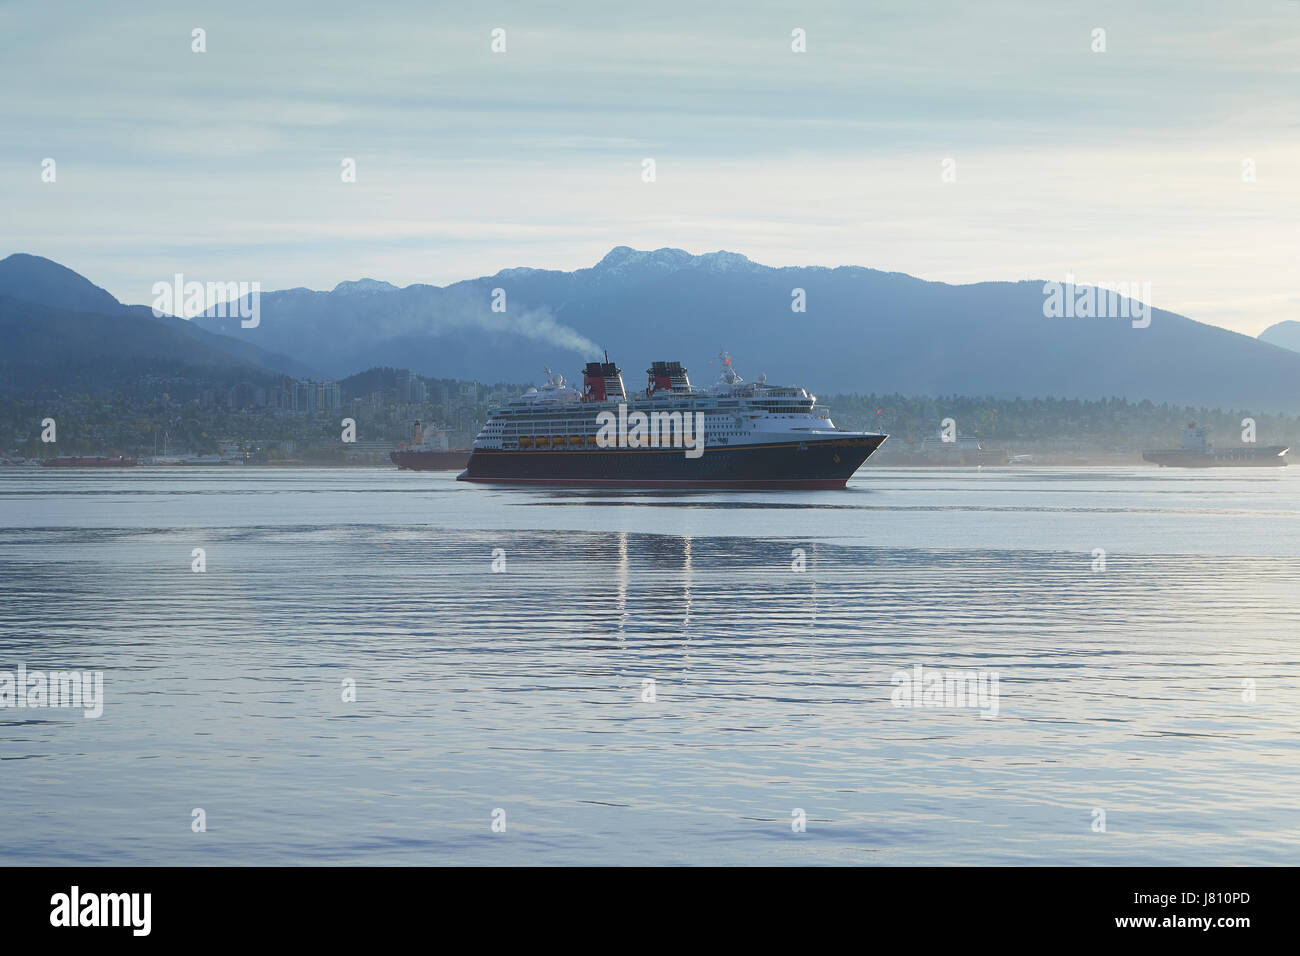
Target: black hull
1270,456
817,463
89,462
429,460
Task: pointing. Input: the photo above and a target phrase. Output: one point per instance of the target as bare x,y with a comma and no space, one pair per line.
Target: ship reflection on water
770,625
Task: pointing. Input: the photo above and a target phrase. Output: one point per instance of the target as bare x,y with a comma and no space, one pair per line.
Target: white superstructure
735,412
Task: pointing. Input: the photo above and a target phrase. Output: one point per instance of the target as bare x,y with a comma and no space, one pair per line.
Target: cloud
227,163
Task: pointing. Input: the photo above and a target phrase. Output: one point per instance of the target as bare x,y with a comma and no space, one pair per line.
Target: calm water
1119,690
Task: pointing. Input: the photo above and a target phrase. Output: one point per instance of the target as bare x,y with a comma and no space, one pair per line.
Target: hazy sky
1125,165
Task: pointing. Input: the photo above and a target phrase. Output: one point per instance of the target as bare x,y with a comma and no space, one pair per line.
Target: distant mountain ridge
1283,334
863,331
37,279
364,286
53,319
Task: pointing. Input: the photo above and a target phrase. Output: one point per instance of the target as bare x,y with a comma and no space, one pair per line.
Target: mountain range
1285,334
60,330
862,331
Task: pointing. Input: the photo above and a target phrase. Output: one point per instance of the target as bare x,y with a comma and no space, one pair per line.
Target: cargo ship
428,451
734,434
1195,451
95,461
937,449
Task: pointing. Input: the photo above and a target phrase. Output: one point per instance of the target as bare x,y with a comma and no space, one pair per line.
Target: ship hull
1271,456
94,462
825,463
429,460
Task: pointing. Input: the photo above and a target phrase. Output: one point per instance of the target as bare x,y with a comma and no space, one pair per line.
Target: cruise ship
734,434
